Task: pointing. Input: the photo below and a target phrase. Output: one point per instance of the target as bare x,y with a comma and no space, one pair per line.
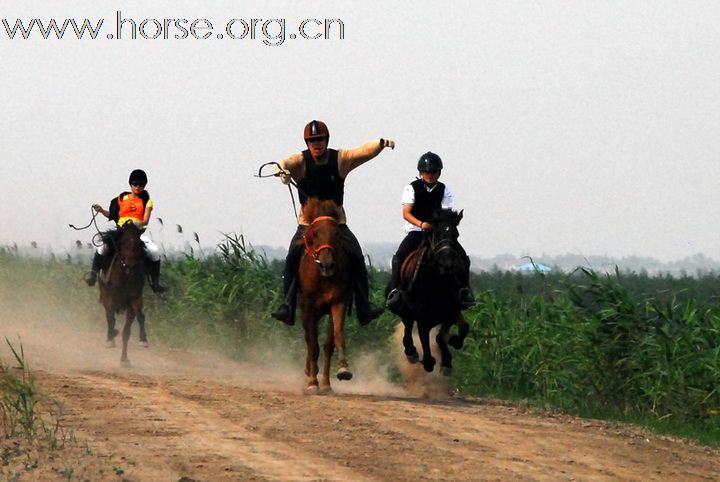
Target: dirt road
196,416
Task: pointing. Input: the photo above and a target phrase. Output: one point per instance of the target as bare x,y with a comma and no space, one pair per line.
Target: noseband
311,250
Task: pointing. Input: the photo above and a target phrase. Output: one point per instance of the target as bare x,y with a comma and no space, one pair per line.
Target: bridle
309,248
443,244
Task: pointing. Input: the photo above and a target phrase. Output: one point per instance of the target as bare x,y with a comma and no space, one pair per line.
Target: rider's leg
467,299
153,262
394,293
359,278
286,311
97,264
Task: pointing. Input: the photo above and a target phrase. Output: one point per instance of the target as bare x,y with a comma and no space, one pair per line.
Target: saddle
410,267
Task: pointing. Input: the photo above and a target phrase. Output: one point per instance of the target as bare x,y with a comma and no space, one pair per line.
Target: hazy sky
586,127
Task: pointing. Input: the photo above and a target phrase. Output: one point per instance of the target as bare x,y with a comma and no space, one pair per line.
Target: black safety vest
322,180
426,201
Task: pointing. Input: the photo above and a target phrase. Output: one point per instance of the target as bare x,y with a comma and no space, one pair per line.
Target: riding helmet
316,129
138,176
430,162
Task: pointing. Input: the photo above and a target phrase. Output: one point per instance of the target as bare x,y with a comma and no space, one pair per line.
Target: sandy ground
177,415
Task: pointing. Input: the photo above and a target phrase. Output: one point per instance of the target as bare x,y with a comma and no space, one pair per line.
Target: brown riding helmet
316,129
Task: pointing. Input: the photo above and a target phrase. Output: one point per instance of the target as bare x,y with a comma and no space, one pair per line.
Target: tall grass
587,345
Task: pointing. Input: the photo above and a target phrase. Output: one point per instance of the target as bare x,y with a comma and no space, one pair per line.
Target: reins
279,172
92,222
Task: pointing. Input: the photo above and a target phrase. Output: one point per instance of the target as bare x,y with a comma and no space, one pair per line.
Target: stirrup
394,299
466,297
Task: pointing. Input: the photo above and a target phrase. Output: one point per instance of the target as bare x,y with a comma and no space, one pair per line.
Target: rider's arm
447,200
407,215
99,209
349,159
148,211
295,165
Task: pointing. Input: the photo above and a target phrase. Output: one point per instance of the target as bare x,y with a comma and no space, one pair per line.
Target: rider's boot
154,267
394,294
286,311
97,262
366,312
465,294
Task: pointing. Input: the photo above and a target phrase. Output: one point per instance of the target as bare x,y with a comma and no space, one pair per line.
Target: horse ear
460,215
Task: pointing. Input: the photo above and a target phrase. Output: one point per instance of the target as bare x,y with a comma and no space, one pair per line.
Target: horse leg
445,356
310,324
111,331
410,351
338,326
428,360
456,341
130,316
328,348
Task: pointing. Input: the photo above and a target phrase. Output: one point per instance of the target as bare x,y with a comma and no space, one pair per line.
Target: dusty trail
196,416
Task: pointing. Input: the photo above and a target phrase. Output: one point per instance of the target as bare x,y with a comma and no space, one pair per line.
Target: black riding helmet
430,162
138,176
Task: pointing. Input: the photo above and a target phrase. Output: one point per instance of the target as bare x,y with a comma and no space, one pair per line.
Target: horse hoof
114,333
324,390
455,342
311,390
144,344
344,374
428,365
413,359
110,344
446,371
125,363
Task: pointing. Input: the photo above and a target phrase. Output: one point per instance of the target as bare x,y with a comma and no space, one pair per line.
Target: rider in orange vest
419,199
131,206
321,172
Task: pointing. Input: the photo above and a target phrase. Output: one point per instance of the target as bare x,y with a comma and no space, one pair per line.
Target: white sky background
565,127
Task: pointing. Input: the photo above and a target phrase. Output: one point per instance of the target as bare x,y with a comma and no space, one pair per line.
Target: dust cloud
55,338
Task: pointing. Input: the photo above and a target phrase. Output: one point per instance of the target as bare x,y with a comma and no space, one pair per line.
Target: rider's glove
387,143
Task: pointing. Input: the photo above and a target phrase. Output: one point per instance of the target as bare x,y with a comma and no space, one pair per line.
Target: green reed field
624,346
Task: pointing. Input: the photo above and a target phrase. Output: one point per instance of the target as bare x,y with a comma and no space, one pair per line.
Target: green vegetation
623,346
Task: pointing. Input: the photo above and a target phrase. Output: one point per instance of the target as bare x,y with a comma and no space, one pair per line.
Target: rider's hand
97,208
284,174
387,143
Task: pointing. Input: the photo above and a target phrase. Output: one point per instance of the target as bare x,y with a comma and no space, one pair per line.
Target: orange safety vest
131,208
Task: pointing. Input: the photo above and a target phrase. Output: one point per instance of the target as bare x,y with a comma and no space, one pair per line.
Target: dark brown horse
324,289
431,276
121,284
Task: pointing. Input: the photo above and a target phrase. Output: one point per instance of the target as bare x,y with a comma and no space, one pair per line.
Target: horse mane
315,207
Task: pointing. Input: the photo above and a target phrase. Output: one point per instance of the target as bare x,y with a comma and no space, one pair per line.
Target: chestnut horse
431,276
121,284
324,289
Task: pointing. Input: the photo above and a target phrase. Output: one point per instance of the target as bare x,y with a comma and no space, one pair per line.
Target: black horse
431,276
121,284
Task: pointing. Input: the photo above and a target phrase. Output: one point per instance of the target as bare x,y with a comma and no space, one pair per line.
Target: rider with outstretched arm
321,172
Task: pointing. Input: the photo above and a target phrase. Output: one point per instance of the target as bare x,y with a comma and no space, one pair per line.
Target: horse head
130,247
442,240
322,235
